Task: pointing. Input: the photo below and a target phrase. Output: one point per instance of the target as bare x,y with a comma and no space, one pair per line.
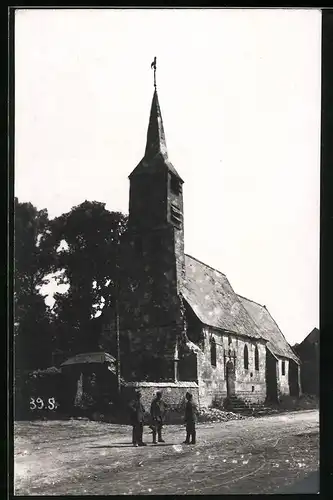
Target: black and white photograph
166,327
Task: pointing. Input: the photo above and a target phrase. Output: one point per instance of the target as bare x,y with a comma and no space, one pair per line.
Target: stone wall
152,352
146,353
147,191
149,296
149,303
283,380
250,384
211,379
173,394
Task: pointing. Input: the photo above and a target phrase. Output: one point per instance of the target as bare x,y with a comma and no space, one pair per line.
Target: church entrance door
230,376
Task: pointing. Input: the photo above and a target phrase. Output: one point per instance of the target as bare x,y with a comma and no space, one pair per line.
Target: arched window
213,351
256,358
283,368
246,358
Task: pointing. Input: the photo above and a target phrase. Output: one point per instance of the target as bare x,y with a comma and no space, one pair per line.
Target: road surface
257,455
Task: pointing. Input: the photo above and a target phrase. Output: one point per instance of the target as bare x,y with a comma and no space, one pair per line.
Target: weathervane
153,65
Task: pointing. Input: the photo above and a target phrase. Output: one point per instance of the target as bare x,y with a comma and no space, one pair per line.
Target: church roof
268,329
156,153
215,303
212,299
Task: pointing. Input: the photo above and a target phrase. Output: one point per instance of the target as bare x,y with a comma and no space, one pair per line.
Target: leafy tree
86,241
32,333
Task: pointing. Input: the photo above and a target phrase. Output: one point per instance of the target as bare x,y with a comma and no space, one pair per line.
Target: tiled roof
268,329
213,300
211,297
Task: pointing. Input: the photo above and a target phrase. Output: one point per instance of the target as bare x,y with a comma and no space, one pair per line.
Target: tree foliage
32,333
86,242
81,248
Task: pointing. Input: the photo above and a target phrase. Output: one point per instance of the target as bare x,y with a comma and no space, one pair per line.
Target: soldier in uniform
137,413
157,412
190,419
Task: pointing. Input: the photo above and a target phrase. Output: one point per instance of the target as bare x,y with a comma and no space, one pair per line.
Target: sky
239,91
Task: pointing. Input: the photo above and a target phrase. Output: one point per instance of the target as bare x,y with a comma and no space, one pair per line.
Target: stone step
239,406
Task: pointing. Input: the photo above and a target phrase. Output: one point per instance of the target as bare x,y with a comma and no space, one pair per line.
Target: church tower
155,242
156,201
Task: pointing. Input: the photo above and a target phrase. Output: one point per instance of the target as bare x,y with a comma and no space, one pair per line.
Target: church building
181,325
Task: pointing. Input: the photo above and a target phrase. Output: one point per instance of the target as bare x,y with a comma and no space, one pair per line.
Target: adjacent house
308,352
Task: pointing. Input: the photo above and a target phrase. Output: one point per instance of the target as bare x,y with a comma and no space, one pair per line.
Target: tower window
213,352
246,358
256,358
176,215
283,367
175,185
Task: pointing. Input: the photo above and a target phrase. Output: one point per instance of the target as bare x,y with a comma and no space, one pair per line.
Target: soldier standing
137,412
157,411
190,419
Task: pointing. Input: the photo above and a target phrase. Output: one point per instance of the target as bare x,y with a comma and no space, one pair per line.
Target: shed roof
90,357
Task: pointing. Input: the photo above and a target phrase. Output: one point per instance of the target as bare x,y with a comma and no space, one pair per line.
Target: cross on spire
153,65
156,154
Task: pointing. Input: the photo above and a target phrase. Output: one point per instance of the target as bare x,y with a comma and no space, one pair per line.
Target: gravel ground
263,455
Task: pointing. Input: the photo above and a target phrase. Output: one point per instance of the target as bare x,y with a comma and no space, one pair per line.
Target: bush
37,393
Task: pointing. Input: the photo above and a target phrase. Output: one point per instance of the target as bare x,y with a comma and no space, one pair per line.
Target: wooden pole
117,320
118,342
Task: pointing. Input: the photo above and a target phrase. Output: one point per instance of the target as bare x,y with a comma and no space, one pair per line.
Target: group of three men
157,412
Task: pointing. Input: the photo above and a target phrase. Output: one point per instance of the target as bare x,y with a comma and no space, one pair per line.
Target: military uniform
157,411
190,421
137,413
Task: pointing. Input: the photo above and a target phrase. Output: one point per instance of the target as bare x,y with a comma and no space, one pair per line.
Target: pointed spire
156,154
155,136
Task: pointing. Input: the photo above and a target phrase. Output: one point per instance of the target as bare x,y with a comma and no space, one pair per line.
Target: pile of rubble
216,415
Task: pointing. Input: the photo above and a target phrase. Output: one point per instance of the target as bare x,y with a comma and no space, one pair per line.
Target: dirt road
263,455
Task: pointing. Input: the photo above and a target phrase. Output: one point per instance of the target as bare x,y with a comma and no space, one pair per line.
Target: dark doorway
293,379
230,377
187,366
271,377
